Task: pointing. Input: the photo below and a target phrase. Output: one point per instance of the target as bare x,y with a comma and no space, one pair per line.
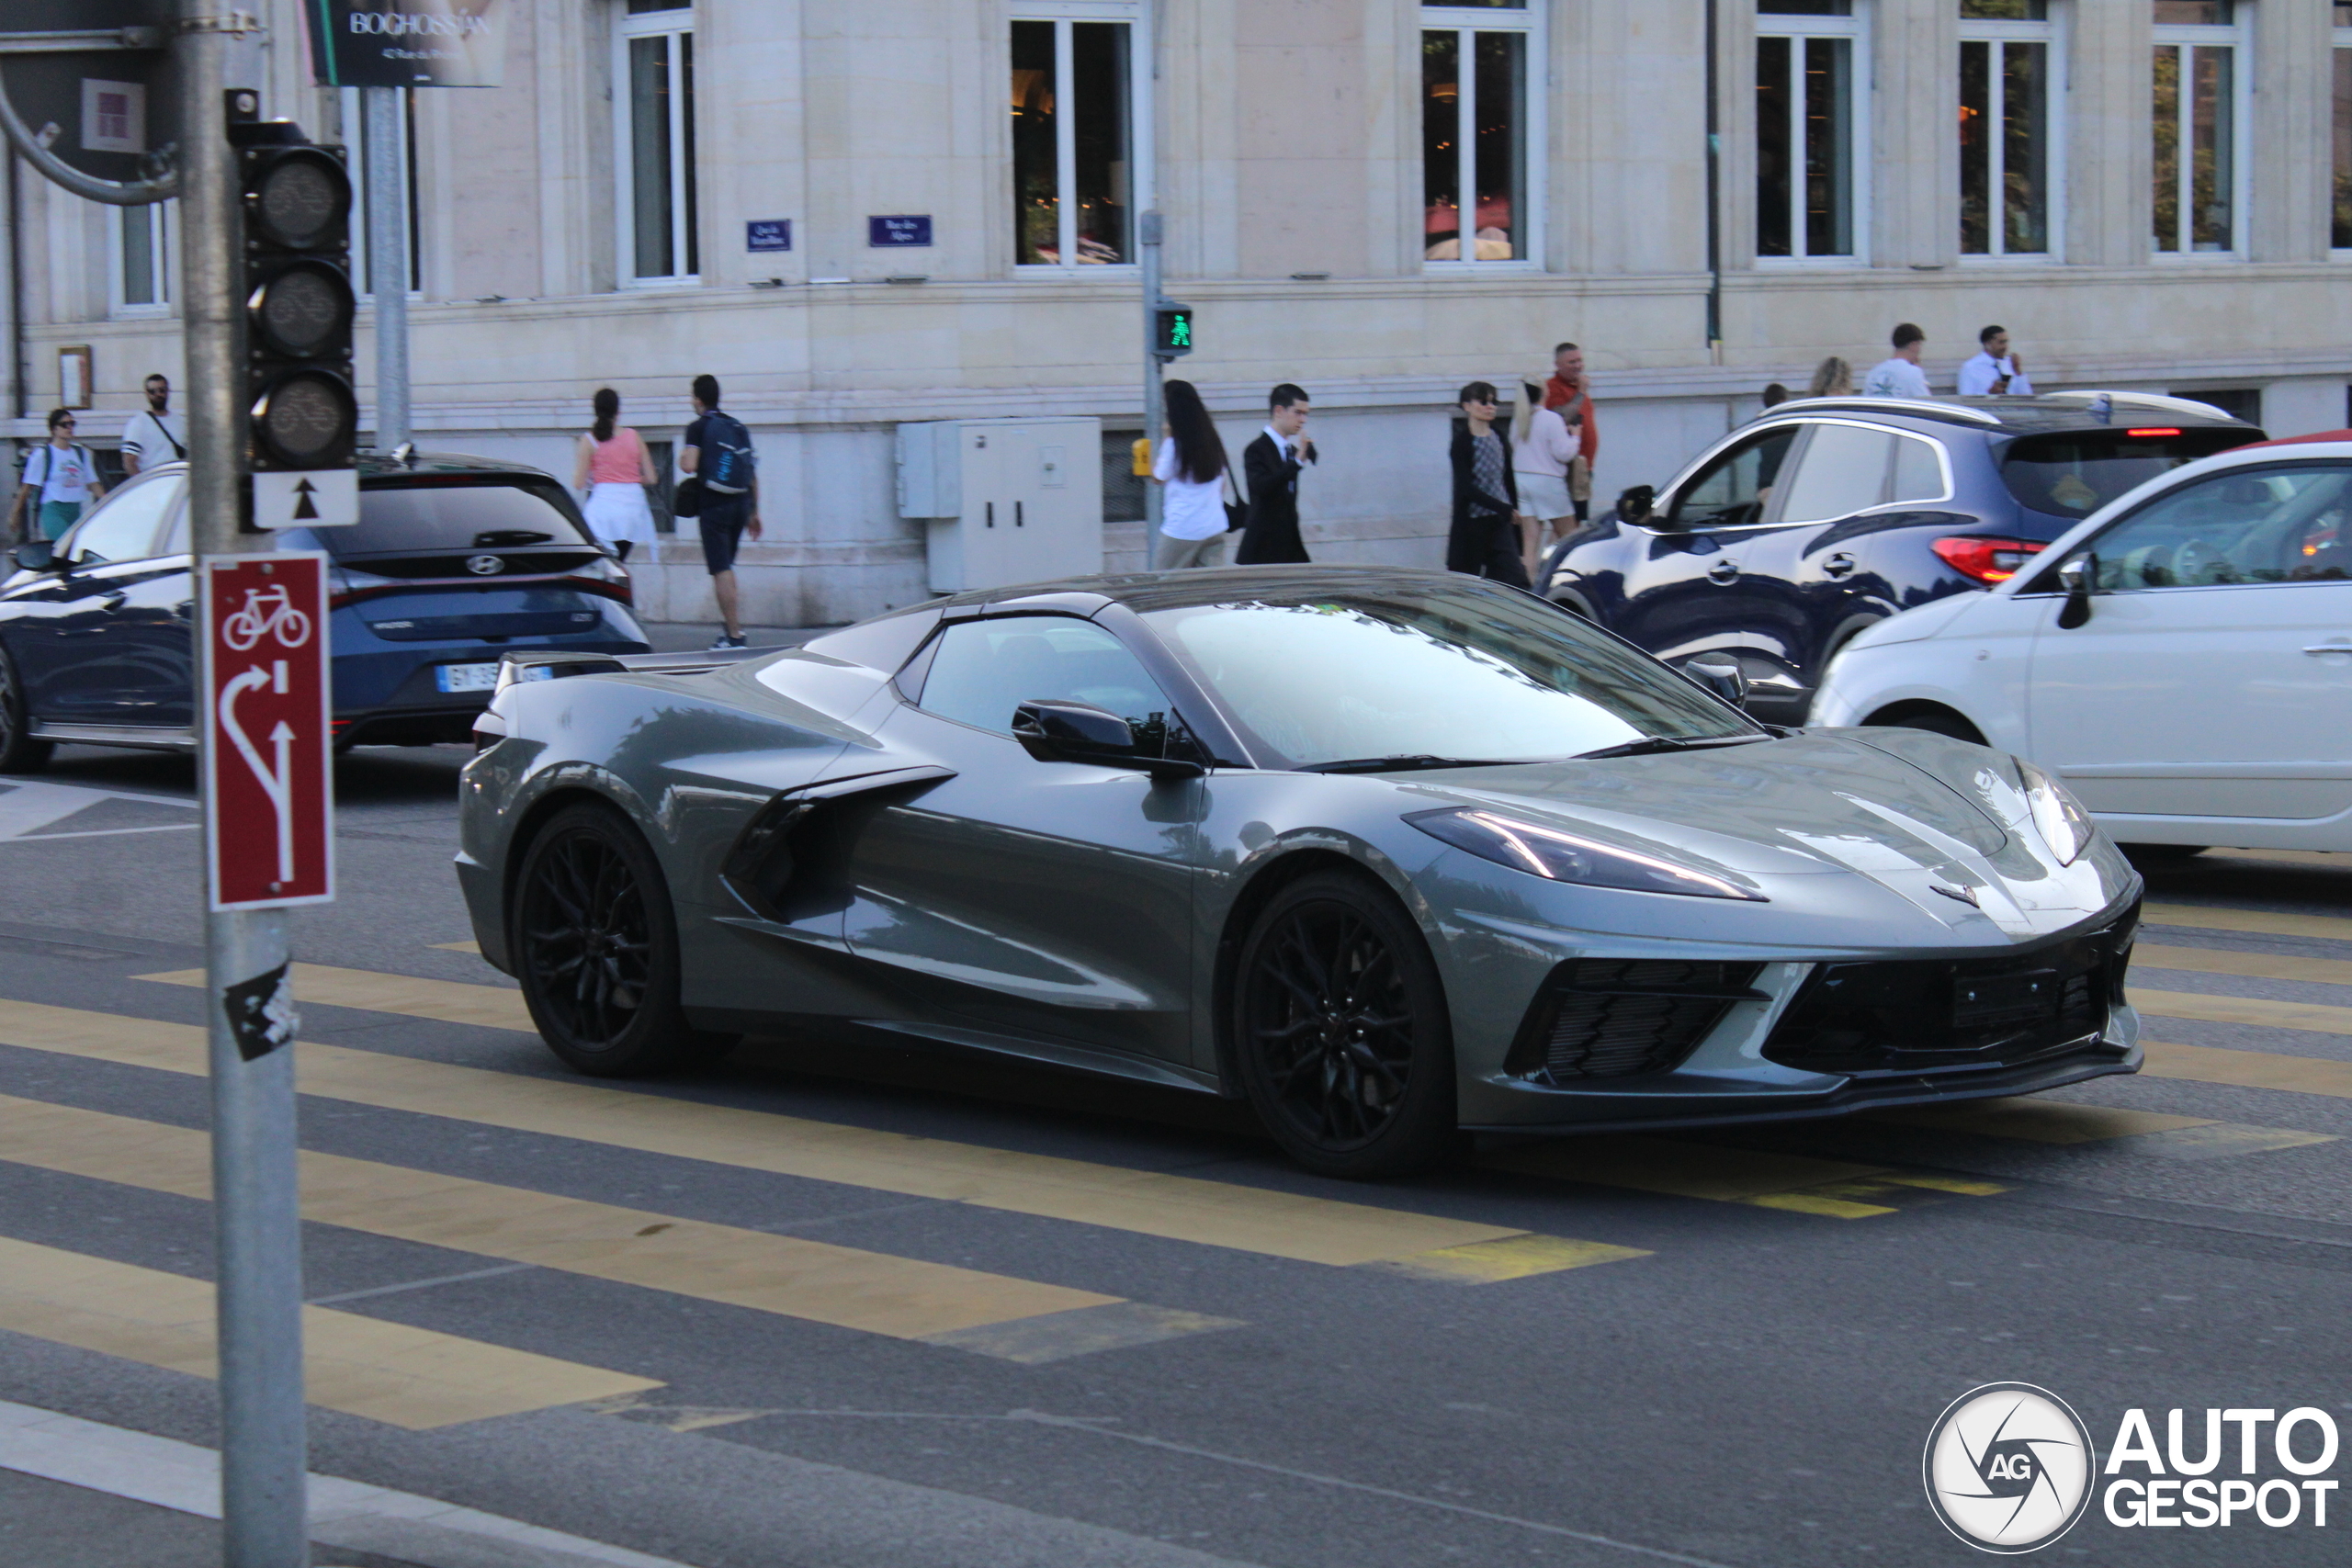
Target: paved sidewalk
693,636
53,1525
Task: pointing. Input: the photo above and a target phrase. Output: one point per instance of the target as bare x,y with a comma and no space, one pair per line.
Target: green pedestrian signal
1172,329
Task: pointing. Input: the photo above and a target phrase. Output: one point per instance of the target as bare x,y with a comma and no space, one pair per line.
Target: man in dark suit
1270,466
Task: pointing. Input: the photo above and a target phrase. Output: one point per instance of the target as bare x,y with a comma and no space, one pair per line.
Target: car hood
1948,816
1912,626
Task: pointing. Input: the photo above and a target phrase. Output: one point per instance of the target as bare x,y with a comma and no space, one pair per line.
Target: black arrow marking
302,507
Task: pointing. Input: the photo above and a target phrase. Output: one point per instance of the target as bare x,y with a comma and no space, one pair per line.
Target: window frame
163,220
2236,35
355,112
1531,22
2053,32
1858,30
2340,43
2090,546
686,205
1062,13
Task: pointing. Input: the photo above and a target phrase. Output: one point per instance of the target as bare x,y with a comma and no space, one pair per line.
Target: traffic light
1171,330
299,305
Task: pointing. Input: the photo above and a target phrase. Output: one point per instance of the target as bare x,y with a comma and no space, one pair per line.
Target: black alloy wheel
19,753
596,945
1341,1030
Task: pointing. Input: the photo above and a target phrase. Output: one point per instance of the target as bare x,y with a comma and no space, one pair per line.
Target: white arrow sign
278,783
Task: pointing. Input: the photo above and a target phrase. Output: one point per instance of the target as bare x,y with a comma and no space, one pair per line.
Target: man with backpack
724,492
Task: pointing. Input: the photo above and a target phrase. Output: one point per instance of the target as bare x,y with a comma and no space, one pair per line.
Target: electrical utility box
1006,499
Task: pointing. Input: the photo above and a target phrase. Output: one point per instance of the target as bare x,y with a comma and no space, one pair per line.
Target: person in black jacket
1483,540
1270,466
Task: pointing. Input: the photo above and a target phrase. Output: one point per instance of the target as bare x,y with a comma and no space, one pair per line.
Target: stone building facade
2152,194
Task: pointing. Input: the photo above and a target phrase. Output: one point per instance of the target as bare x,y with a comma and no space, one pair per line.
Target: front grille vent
1613,1017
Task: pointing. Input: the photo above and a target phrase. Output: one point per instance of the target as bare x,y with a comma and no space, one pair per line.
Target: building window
653,122
2197,122
142,280
1071,143
355,121
1808,129
2340,228
1480,125
2005,131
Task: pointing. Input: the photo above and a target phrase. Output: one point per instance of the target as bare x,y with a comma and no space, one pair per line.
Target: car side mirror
1059,731
1722,677
2077,577
1635,503
35,555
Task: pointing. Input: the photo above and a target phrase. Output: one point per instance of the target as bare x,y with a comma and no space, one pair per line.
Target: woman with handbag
1195,515
1543,452
612,474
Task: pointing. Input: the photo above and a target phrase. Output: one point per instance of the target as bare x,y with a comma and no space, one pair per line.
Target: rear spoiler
555,664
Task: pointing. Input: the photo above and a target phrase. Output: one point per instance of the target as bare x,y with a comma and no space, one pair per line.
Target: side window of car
1841,471
984,670
124,527
1919,471
1734,490
2283,525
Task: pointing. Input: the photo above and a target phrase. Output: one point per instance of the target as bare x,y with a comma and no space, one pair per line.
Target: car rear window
2075,472
436,519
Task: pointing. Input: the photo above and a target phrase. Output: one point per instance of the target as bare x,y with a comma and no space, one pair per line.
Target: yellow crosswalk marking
362,1366
2258,966
1513,1258
442,1001
468,945
2263,922
2249,1069
2038,1121
902,1298
2309,1016
1767,1179
1213,1214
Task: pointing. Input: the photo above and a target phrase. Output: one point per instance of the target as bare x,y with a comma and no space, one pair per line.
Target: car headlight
2058,817
1569,857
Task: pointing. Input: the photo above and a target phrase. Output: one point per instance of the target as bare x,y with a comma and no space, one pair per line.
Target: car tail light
1987,561
605,578
2150,434
346,586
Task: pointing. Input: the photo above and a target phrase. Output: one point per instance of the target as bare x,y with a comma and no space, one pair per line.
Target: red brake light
1987,561
2150,433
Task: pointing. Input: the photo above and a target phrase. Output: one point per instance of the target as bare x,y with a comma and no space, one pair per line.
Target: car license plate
466,677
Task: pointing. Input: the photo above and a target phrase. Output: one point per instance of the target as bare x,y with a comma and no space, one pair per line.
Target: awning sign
407,43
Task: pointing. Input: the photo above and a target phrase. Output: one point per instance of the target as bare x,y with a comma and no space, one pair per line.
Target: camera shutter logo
2008,1468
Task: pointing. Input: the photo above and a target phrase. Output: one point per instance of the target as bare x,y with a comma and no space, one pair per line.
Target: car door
1683,593
110,649
2213,677
1025,897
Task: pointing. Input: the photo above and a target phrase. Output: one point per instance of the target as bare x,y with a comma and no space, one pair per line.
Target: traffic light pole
1154,404
388,261
257,1219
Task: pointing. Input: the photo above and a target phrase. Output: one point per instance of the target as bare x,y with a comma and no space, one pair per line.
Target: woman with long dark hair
611,475
1191,464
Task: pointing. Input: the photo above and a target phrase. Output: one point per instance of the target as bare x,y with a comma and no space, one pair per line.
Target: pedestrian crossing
388,1372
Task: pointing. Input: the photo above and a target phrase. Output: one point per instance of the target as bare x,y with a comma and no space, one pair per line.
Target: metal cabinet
1005,500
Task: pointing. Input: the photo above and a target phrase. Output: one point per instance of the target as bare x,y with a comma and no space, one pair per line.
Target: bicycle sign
267,738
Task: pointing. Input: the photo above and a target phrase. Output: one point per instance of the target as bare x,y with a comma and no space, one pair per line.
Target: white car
2182,660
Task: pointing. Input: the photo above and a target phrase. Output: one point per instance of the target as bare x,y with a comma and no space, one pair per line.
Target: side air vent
792,860
1613,1017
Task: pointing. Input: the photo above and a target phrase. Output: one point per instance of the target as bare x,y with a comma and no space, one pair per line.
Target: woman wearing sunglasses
61,480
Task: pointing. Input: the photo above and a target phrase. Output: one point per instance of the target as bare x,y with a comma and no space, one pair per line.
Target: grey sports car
1391,855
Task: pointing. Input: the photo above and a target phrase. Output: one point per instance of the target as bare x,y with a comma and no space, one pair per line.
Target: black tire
1340,1033
1937,721
595,945
2162,854
19,753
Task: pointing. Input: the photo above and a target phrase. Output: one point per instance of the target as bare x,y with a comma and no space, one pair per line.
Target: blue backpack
728,462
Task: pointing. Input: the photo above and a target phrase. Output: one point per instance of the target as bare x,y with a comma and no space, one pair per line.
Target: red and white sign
268,775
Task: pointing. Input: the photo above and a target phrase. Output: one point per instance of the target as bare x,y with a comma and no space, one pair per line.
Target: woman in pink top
612,474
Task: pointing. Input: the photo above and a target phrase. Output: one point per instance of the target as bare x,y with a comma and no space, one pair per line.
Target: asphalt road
844,1305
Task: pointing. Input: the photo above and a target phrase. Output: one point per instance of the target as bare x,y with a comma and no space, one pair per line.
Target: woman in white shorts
1543,446
1190,465
612,474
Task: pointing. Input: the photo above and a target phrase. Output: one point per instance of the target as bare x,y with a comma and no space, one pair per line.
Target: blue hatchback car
454,561
1826,516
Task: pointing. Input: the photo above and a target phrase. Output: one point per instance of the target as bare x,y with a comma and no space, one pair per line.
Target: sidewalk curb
183,1477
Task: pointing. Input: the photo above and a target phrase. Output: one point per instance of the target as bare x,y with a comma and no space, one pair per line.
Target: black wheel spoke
587,940
1327,1013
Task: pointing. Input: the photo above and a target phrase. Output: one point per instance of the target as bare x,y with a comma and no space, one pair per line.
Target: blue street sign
767,235
903,229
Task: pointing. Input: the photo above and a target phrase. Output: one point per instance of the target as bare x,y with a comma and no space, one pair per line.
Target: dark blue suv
1797,530
454,561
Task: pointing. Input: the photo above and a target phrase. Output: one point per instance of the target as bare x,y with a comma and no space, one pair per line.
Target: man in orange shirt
1571,394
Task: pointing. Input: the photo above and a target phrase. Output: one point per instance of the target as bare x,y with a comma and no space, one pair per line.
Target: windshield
438,519
2073,474
1475,674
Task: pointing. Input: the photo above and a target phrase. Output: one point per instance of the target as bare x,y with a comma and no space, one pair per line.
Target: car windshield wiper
1649,744
1404,764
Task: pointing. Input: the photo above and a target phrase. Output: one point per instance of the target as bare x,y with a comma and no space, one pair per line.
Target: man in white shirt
1995,371
155,435
1901,376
